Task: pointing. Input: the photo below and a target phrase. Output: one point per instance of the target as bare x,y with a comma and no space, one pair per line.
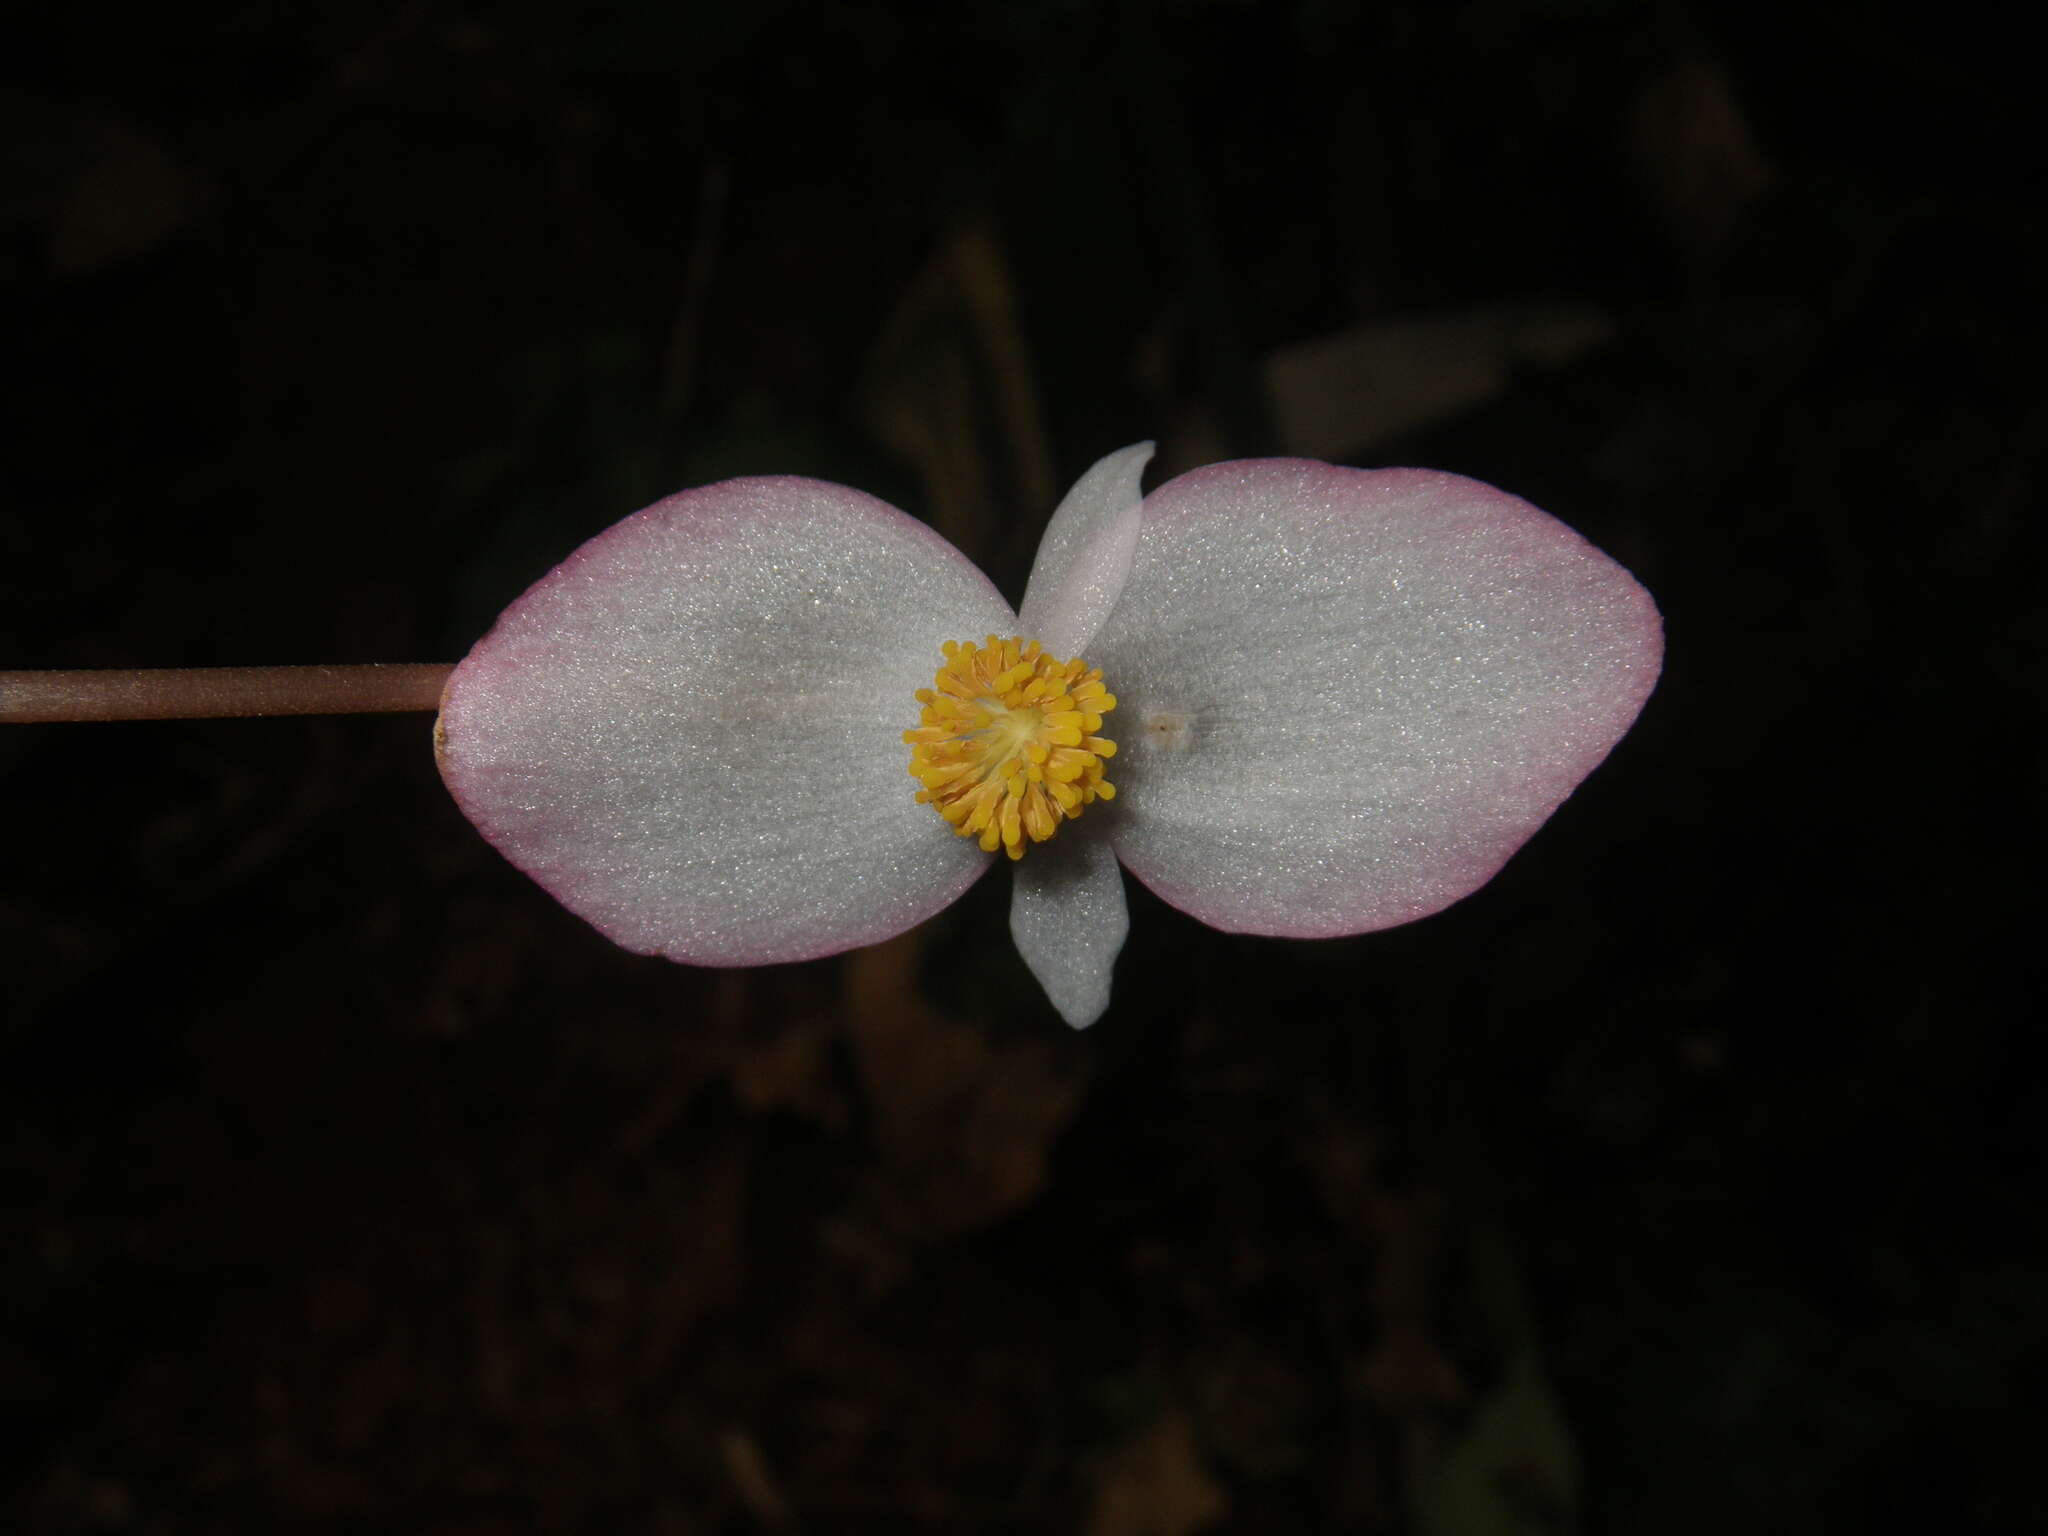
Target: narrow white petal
1085,556
690,732
1347,696
1068,917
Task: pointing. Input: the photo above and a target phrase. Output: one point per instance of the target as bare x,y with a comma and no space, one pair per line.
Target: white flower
1342,698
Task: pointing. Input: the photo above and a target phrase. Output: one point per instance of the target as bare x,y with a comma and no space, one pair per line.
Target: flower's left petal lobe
1068,917
1085,556
690,732
1347,696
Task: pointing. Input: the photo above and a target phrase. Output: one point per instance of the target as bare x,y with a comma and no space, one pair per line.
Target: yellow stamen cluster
1004,748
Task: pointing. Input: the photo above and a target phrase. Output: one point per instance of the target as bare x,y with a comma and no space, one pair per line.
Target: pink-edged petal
1068,917
1085,555
1347,696
690,732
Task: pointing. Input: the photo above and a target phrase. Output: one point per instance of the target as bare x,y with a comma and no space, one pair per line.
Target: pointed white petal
1068,917
1085,555
690,732
1347,696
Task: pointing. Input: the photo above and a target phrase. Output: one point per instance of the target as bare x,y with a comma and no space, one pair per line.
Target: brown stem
197,693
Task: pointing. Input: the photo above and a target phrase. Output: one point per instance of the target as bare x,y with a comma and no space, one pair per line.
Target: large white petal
1068,917
1347,696
1085,555
690,732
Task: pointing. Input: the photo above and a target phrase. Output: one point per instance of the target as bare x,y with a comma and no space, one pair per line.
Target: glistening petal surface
1085,556
1347,696
1068,916
690,732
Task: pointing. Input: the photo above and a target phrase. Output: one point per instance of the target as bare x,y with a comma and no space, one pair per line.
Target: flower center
1003,748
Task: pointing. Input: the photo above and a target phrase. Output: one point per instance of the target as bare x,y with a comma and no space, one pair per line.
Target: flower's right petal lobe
1347,696
1085,556
690,732
1068,917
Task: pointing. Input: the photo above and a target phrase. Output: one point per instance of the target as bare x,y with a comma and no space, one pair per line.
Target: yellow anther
1002,745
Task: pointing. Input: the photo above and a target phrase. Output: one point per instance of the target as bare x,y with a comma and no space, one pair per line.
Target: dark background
1683,1180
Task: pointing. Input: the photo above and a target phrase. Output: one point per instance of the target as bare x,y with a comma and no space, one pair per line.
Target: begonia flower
773,718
